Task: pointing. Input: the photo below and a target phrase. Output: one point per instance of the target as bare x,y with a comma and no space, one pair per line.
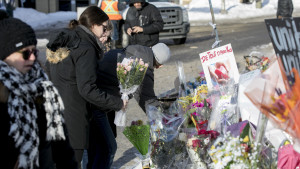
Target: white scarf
24,88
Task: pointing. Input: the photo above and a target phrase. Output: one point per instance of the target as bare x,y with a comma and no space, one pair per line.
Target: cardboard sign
285,37
219,66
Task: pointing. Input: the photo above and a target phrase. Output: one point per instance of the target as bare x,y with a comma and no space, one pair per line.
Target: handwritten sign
285,37
219,66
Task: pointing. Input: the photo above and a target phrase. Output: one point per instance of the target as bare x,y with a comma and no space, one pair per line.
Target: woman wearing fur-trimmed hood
72,57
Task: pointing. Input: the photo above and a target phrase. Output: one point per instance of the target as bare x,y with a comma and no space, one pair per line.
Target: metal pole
258,4
223,10
214,25
99,3
73,5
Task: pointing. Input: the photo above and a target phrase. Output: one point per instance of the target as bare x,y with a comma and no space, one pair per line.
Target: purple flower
198,104
202,74
195,114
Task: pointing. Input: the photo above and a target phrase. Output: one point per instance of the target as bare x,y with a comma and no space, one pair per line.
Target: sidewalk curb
241,20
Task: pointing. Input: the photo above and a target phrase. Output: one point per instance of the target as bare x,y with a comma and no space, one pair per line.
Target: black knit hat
136,1
3,14
14,35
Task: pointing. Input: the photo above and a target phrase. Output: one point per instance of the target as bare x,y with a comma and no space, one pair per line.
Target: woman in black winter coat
72,56
32,122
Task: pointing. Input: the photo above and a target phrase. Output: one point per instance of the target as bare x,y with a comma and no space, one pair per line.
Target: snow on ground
198,10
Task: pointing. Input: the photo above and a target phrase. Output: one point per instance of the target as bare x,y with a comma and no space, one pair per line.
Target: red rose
202,131
196,143
246,147
213,134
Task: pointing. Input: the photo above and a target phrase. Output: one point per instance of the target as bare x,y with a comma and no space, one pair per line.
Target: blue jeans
115,33
84,160
102,142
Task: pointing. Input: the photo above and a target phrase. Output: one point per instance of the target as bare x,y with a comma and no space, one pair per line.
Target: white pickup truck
175,17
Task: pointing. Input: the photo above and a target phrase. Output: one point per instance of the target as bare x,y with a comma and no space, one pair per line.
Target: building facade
48,6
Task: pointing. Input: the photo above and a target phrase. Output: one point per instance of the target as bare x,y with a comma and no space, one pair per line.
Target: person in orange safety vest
111,8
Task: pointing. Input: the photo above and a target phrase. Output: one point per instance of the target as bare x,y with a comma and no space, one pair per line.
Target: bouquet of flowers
198,145
166,148
130,73
234,152
238,149
201,78
139,135
224,111
256,60
197,106
281,101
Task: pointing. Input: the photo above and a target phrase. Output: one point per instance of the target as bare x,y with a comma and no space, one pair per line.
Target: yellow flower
212,147
246,154
279,117
246,139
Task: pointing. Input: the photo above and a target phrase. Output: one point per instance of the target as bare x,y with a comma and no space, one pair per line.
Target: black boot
113,44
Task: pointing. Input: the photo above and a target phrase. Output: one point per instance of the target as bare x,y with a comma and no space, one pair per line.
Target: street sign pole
217,42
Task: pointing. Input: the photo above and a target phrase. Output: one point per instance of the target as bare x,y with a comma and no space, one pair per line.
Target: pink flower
208,103
141,69
125,72
242,127
128,68
198,104
194,114
146,64
213,134
141,62
202,74
196,143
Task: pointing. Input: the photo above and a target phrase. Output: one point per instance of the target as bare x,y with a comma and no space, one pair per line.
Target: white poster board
219,66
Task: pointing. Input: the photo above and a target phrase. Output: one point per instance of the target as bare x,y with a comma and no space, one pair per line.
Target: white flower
206,141
227,159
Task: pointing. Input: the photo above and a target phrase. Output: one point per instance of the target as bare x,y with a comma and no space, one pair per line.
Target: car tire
179,41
